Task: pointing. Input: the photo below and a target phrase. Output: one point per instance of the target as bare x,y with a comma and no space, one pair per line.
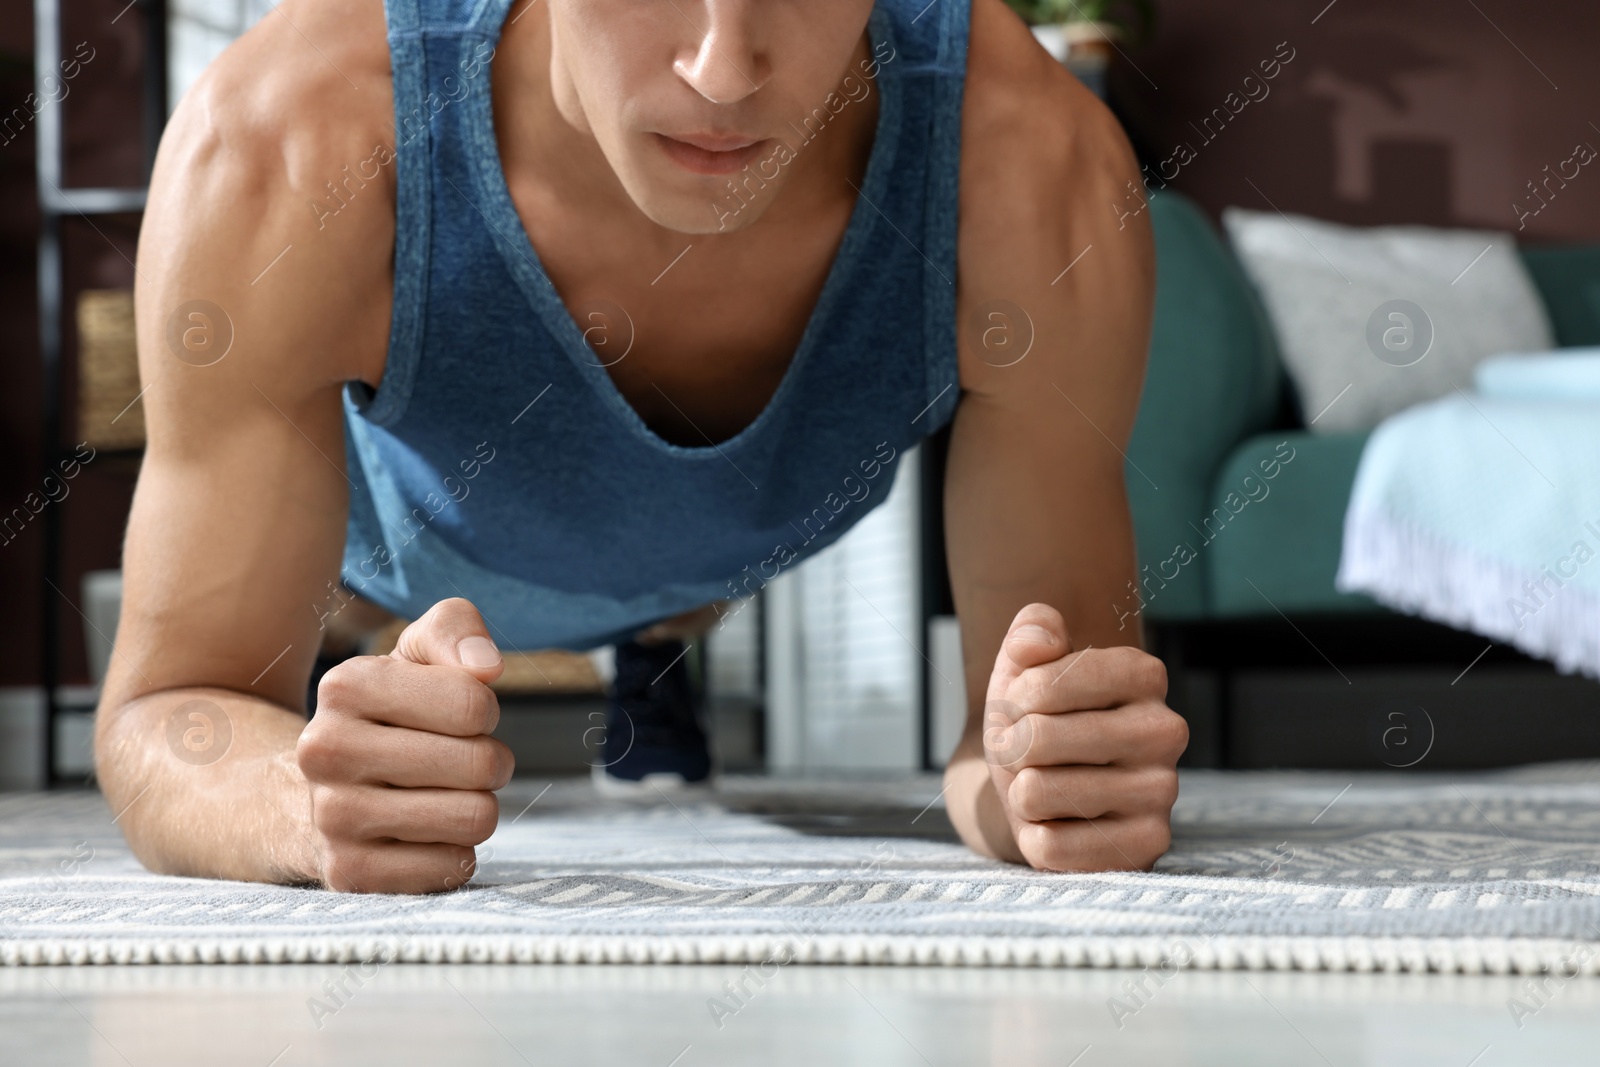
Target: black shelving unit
58,203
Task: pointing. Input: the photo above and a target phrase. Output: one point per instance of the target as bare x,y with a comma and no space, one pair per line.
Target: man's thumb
1038,634
452,634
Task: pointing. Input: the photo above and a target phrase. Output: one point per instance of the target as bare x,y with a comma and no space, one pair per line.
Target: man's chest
695,331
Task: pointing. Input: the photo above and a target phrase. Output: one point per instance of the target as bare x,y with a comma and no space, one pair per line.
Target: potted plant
1087,31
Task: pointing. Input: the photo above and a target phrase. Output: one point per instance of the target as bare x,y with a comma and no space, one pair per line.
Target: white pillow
1371,321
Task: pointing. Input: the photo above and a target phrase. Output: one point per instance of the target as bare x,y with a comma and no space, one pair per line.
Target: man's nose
730,60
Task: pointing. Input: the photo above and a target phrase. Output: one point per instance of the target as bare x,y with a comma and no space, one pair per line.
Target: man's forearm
974,807
219,796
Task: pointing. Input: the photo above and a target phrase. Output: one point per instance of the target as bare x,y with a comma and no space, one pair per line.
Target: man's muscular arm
1073,767
238,521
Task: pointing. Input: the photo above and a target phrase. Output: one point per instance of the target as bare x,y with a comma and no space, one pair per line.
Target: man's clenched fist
400,762
1081,748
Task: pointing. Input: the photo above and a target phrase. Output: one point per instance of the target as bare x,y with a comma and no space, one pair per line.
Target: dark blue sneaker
653,735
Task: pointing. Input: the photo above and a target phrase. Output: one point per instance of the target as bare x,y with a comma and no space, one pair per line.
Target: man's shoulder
1036,143
272,184
1046,172
293,99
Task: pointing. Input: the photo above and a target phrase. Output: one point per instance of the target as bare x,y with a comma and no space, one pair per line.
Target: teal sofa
1217,405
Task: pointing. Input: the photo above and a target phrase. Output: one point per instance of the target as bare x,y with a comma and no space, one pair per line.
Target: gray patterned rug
1473,872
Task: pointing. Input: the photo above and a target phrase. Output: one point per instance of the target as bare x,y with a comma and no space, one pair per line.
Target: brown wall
1390,111
101,109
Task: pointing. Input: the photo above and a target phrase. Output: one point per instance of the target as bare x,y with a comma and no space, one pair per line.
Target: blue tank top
497,461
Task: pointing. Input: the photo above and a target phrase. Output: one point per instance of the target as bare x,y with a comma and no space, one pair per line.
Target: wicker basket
108,371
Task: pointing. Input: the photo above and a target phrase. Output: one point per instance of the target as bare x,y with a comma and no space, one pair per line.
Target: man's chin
711,211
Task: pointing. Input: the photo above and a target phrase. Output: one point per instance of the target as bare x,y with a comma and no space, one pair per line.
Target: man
554,322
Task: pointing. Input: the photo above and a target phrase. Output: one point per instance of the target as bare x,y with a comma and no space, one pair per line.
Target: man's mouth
710,154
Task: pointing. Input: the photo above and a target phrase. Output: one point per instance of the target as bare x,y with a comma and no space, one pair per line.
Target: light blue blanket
1565,374
1482,510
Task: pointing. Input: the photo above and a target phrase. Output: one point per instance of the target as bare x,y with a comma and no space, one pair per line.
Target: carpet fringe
1403,955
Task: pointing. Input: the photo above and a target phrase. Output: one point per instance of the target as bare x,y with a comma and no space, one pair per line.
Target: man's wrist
245,815
974,807
294,858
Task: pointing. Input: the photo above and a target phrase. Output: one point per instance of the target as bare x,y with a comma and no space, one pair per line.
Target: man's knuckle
464,861
1034,841
350,868
1148,838
1027,794
507,762
1160,787
482,708
1026,690
1012,745
1152,675
338,686
469,717
489,716
448,867
338,812
451,609
478,817
317,751
1038,731
1173,730
322,804
483,763
1163,733
1136,666
347,686
1049,847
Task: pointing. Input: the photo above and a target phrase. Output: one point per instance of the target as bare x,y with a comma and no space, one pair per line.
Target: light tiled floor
681,1016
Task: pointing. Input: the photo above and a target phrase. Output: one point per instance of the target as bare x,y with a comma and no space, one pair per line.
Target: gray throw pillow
1371,321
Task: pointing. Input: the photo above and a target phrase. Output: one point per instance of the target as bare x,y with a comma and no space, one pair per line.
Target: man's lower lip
701,161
